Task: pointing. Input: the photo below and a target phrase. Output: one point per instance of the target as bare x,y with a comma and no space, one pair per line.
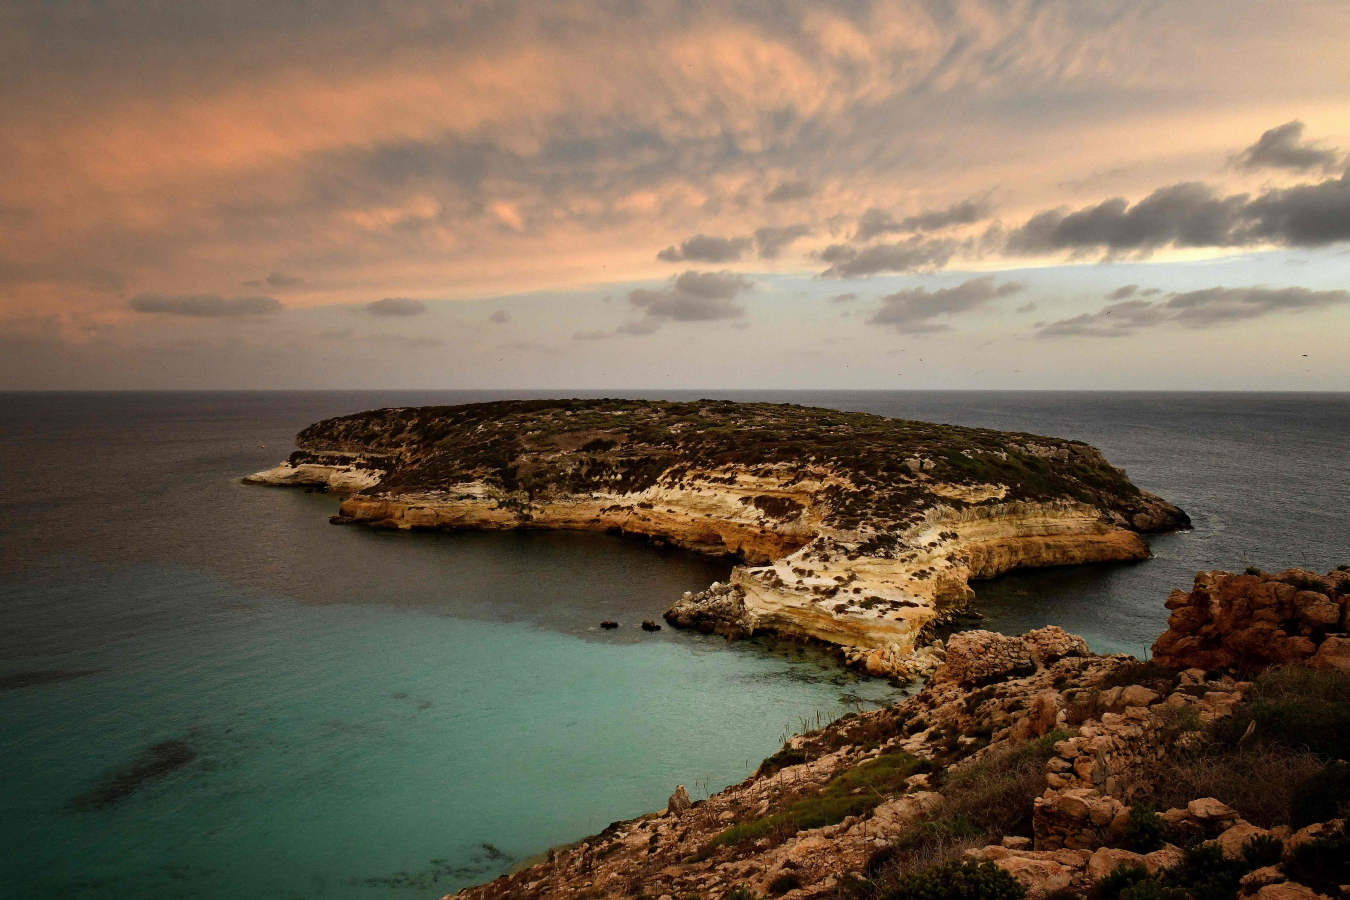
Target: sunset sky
364,194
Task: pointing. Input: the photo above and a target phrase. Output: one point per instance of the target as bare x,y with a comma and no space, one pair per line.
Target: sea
206,690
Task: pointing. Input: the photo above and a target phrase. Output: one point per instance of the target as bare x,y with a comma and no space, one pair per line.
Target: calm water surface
389,715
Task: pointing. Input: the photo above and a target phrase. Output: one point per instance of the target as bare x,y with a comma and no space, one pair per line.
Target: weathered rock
1233,840
979,657
1288,890
679,801
1252,621
1333,654
1106,859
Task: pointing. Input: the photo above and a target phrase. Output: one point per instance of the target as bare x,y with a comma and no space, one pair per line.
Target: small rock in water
608,625
649,625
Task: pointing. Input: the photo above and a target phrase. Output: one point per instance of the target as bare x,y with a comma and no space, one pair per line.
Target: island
854,530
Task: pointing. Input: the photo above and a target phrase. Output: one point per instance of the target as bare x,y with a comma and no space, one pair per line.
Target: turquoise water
371,714
347,750
374,715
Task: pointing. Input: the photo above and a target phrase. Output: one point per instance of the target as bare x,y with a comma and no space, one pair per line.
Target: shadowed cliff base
856,530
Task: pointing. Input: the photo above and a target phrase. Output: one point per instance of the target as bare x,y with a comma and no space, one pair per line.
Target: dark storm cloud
1283,148
915,311
788,190
1194,309
396,306
204,305
771,241
906,256
1194,215
706,248
876,221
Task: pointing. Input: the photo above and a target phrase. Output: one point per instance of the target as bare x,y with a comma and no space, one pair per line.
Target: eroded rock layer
856,530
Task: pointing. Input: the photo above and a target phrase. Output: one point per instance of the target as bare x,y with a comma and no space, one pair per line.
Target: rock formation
1027,753
1258,619
855,530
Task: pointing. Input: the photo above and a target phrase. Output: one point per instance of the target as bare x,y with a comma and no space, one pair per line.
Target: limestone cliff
855,530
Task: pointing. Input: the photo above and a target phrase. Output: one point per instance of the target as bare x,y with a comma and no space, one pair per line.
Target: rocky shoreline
855,531
1037,769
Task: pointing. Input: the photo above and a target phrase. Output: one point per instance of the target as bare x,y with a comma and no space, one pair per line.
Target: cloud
1123,292
1282,148
844,298
276,280
771,241
204,305
1194,215
1115,320
500,317
396,306
689,297
906,256
1194,309
916,310
788,190
706,248
876,221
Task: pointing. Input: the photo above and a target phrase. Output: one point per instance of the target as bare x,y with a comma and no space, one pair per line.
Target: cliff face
855,530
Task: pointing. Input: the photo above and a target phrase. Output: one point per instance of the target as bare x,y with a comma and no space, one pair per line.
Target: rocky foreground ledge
1028,767
856,530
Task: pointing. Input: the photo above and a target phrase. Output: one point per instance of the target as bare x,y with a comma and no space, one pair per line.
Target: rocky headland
1028,767
855,530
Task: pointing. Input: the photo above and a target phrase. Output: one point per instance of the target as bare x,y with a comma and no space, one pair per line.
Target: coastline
866,540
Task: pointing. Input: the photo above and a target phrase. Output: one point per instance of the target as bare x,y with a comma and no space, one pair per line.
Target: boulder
1333,654
1232,841
1288,890
1106,859
980,657
679,801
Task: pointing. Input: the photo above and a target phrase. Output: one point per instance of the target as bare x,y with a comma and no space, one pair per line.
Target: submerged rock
152,764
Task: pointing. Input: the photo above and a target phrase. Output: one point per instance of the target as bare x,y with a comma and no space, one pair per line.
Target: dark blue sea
208,691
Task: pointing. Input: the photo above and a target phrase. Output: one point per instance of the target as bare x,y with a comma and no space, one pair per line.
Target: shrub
1145,831
1323,864
1120,878
1325,795
740,892
1149,889
1296,707
853,792
1262,850
983,800
1205,874
788,881
1147,672
958,880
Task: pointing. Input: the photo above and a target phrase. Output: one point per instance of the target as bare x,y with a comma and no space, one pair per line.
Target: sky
861,194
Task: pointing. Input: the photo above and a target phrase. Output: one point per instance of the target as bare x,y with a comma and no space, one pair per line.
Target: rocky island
855,530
